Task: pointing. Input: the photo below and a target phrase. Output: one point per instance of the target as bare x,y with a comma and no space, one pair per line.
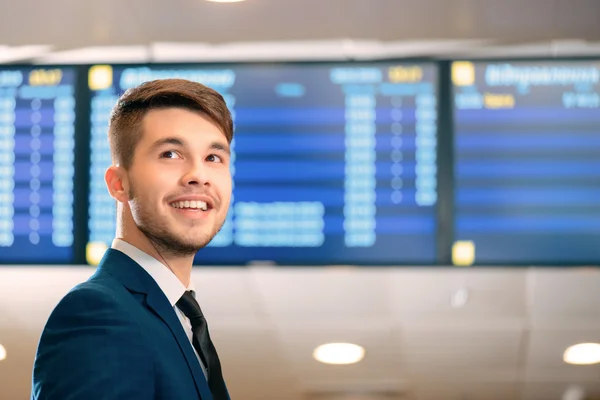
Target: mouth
191,205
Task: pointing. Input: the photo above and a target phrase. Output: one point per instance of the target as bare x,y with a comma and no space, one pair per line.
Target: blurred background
418,181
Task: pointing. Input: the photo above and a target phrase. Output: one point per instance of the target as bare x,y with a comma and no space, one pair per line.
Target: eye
169,154
214,158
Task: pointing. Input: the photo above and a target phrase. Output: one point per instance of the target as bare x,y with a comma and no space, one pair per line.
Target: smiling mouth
190,205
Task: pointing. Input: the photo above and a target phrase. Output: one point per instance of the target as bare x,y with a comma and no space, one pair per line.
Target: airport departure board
527,162
331,163
37,139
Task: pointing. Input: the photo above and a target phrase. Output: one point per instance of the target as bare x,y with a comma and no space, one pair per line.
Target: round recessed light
459,298
2,353
582,354
339,353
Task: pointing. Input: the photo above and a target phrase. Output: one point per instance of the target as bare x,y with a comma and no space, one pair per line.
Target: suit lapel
158,303
136,279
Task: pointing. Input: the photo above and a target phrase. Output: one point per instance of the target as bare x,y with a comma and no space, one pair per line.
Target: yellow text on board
405,74
498,100
45,77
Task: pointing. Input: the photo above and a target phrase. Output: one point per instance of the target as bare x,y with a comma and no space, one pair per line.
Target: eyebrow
220,147
171,140
181,143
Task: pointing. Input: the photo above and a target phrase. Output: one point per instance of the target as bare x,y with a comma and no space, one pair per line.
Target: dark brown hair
125,126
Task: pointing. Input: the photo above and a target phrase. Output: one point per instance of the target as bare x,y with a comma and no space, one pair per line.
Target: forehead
192,125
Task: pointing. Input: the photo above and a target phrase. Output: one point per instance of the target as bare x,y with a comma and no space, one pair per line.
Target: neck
128,231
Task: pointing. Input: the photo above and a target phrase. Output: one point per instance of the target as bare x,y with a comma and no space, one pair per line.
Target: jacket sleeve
90,349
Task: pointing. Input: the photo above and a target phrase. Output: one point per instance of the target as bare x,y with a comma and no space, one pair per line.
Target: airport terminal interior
415,210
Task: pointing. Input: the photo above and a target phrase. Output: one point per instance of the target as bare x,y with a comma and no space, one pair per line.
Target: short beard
164,242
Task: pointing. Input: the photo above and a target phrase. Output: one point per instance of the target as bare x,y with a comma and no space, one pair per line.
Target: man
134,330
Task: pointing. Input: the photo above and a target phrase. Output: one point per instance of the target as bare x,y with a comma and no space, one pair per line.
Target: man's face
179,181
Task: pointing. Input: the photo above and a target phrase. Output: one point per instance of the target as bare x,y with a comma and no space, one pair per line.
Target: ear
117,184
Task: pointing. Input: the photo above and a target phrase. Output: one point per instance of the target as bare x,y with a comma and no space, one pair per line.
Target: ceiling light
2,353
583,354
225,1
459,298
339,353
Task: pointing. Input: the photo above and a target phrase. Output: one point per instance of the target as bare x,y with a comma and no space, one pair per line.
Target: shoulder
88,319
93,302
91,346
91,294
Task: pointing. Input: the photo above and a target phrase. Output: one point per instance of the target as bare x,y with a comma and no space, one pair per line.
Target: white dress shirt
166,280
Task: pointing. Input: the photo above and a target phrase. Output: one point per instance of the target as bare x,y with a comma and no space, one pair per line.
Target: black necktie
203,345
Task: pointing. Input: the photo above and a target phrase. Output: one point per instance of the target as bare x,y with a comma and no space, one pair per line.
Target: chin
199,241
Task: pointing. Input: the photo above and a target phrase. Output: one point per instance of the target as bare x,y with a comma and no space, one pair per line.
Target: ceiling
431,26
68,23
506,343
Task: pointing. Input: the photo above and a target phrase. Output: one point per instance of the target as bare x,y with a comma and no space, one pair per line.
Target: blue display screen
331,163
527,161
37,136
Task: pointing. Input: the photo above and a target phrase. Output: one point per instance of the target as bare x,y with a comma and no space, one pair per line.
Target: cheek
164,177
224,183
151,185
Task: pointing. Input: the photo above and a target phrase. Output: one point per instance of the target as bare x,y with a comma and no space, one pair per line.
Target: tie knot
190,307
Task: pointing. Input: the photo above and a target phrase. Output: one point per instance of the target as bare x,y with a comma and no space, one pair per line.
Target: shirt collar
163,276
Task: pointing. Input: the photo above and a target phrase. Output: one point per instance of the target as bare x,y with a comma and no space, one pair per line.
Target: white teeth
191,205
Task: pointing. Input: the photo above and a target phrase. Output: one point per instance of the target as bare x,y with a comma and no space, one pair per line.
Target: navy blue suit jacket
116,336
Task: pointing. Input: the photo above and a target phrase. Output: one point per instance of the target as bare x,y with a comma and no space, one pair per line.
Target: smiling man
134,330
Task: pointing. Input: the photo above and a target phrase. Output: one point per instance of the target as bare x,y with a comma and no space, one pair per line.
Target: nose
197,175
